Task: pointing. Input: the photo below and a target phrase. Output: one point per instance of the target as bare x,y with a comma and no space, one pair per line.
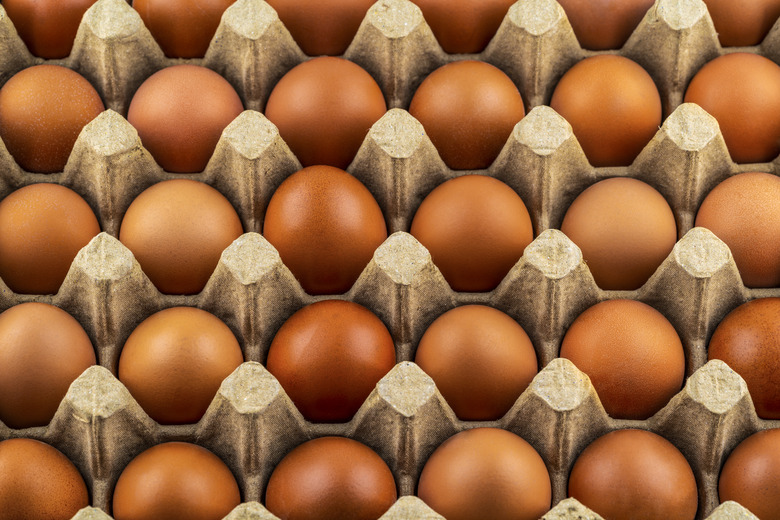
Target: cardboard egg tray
251,423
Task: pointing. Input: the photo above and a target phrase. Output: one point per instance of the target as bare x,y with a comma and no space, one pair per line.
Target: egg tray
251,424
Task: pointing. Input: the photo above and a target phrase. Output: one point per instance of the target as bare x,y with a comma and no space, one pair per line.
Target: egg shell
47,27
743,22
604,24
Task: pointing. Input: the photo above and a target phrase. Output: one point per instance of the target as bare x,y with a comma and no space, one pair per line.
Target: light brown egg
177,230
480,359
743,22
631,353
629,474
486,473
604,24
47,27
37,481
175,481
331,478
42,111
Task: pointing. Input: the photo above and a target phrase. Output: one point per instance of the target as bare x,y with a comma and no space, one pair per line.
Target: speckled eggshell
175,481
329,356
632,355
37,481
331,478
604,24
480,359
747,340
486,473
630,474
42,111
743,22
47,27
476,228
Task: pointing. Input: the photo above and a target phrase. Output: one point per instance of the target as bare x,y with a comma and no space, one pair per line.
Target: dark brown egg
324,109
329,356
42,111
480,359
631,353
751,475
604,24
180,113
325,225
486,473
177,230
625,230
613,107
175,481
37,481
634,474
47,27
42,228
331,478
174,362
740,24
468,109
476,228
747,340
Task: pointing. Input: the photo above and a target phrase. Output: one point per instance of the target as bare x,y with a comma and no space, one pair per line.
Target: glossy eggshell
324,109
43,349
323,27
631,474
744,212
625,229
329,356
466,26
632,355
42,111
751,475
743,22
604,24
742,91
612,105
480,359
476,228
331,478
37,481
486,473
42,228
47,27
177,230
174,362
468,109
175,481
325,225
182,28
747,340
180,113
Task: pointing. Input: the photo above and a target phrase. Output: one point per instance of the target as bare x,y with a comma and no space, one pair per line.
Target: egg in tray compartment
251,422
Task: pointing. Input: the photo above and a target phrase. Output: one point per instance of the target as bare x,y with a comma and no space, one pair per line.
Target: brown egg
328,357
631,353
47,27
630,474
37,481
747,341
42,111
742,91
625,230
466,26
43,349
323,27
613,107
744,212
486,473
604,24
325,225
180,113
331,478
480,359
175,481
177,230
468,109
174,362
751,475
743,23
42,228
324,109
476,228
183,28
